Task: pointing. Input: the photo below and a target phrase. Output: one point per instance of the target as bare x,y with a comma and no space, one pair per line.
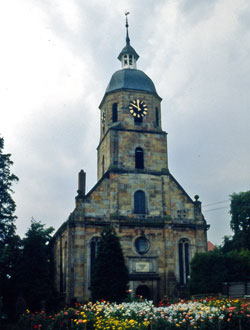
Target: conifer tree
9,241
35,268
110,279
7,204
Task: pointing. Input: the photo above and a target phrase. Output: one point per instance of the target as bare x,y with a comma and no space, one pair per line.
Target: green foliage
240,211
230,262
209,270
34,271
110,279
9,241
206,314
240,223
7,204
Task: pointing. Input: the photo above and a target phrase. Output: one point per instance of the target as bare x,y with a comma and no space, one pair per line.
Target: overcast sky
57,58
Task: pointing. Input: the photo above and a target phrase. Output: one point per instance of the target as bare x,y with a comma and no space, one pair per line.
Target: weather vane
127,37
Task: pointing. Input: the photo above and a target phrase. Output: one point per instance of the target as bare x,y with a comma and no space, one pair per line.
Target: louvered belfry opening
139,158
114,113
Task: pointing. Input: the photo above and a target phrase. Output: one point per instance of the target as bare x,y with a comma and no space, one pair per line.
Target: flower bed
202,314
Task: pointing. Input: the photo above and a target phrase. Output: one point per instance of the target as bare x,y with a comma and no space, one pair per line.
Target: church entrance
144,291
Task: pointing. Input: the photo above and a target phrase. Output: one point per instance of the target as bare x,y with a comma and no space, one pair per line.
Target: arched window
114,113
139,158
184,260
139,202
156,117
93,253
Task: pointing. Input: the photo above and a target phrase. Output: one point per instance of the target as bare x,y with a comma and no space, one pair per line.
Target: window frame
138,248
184,260
114,112
157,117
93,250
139,158
140,203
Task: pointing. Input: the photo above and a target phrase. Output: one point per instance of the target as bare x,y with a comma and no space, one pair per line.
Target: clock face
138,108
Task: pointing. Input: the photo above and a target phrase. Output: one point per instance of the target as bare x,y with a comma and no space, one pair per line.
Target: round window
141,245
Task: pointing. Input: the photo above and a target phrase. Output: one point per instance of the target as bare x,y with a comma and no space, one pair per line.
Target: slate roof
131,79
129,50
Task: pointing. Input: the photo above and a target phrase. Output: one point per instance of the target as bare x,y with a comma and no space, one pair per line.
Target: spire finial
127,36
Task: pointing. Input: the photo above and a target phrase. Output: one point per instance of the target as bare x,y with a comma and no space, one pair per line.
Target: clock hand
135,106
138,104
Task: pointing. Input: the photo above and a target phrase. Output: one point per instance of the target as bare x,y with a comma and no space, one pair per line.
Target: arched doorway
143,290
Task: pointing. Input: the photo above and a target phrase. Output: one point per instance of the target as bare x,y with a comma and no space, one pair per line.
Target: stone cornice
118,127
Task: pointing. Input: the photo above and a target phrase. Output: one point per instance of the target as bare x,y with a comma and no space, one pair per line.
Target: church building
159,226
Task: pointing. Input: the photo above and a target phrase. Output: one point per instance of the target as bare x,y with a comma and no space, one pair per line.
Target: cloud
57,60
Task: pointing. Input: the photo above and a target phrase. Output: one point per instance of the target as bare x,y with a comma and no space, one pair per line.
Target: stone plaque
142,267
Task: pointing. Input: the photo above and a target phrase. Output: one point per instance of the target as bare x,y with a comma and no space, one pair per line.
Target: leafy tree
34,270
110,279
209,270
240,223
9,241
240,211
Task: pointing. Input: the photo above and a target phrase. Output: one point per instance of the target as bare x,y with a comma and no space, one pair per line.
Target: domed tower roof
129,78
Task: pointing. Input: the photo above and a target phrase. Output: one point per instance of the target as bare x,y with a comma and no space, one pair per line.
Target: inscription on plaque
142,267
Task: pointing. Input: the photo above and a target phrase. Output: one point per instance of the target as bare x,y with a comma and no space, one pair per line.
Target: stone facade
160,227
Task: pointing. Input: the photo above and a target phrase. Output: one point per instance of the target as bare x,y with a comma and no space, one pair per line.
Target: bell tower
130,114
159,226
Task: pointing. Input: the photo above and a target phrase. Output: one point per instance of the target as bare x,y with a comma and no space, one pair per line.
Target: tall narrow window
65,267
130,60
156,117
93,253
184,261
102,165
114,113
61,264
139,202
125,60
139,158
